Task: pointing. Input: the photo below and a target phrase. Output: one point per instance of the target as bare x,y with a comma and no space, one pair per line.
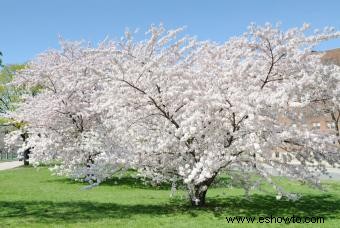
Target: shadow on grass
258,205
135,182
125,181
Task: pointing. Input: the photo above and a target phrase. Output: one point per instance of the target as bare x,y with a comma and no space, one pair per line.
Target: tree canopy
180,110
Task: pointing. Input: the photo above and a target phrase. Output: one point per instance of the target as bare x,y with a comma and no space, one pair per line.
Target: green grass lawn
33,198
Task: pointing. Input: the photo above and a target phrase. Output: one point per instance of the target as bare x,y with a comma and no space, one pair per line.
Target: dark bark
89,162
26,156
198,194
198,198
24,137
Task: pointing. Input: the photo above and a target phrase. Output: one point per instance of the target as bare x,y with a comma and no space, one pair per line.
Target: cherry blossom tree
183,111
61,122
193,109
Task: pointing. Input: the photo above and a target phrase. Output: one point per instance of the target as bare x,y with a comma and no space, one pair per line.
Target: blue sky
29,27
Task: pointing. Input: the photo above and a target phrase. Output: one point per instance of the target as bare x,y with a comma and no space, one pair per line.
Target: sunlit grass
34,198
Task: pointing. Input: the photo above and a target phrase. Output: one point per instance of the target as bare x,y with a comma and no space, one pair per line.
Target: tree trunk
24,137
26,156
197,199
198,192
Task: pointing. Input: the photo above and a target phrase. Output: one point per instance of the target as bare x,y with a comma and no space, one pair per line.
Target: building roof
332,56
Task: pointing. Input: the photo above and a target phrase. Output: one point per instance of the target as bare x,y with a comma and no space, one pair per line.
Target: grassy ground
34,198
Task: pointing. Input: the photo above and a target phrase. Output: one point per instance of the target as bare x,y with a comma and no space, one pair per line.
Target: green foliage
9,95
3,120
35,90
0,59
6,76
34,198
7,73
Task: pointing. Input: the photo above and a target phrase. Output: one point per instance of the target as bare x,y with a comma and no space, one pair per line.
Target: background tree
9,96
1,59
63,124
